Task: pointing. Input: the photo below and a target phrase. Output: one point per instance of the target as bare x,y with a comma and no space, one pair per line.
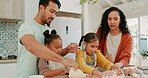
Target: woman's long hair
104,28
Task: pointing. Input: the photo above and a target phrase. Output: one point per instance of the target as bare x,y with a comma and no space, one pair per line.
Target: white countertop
8,61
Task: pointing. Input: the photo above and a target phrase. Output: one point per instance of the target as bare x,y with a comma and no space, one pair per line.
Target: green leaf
94,1
82,2
144,53
89,1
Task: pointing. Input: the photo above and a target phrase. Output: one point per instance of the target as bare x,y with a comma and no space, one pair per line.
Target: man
31,41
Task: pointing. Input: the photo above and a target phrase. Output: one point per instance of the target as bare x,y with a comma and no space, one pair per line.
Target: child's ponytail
82,38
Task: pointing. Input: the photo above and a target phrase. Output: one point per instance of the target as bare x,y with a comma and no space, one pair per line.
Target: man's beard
48,24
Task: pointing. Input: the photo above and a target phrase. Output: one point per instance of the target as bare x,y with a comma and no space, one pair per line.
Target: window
139,30
143,33
134,30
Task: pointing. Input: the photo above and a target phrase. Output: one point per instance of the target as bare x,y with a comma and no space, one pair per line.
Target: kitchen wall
8,38
91,17
95,17
8,46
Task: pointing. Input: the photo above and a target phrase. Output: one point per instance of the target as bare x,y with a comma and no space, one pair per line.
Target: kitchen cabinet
72,6
7,70
12,9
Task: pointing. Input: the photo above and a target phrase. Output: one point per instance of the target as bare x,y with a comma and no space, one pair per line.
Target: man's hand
69,63
72,48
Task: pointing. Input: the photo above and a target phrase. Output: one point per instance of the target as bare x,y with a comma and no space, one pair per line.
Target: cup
145,72
36,76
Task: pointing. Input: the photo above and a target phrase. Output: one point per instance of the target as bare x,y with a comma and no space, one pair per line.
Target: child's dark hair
88,38
49,37
45,3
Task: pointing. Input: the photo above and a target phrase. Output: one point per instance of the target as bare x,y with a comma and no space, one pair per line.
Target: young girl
51,68
90,58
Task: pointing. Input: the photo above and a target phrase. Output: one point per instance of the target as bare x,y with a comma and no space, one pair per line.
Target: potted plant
89,1
145,54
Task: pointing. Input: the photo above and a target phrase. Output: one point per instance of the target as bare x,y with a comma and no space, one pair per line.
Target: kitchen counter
8,61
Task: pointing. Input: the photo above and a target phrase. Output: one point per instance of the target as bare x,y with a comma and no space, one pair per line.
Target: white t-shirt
26,61
112,43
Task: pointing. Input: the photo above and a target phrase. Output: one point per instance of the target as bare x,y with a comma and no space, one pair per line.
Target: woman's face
91,47
56,46
113,20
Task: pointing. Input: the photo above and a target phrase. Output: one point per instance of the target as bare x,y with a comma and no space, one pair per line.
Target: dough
113,76
76,73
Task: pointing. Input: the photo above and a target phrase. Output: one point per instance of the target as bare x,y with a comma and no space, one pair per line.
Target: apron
93,63
55,65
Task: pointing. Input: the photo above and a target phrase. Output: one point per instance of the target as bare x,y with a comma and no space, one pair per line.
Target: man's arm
41,51
38,49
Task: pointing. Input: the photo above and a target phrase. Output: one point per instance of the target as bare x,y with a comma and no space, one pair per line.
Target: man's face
49,13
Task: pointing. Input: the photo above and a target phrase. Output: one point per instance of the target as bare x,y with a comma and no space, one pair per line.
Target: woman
115,39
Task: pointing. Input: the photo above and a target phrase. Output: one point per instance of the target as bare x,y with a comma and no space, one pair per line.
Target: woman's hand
117,68
110,57
118,72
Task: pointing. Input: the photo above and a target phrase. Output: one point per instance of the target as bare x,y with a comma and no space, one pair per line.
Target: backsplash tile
8,38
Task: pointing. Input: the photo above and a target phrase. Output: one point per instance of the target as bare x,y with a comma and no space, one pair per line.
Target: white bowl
36,76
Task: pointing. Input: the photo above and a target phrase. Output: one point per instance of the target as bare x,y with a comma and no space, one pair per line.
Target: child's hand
72,48
107,73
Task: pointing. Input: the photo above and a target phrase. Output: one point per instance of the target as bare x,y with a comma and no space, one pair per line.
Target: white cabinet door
6,8
72,6
11,9
69,29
